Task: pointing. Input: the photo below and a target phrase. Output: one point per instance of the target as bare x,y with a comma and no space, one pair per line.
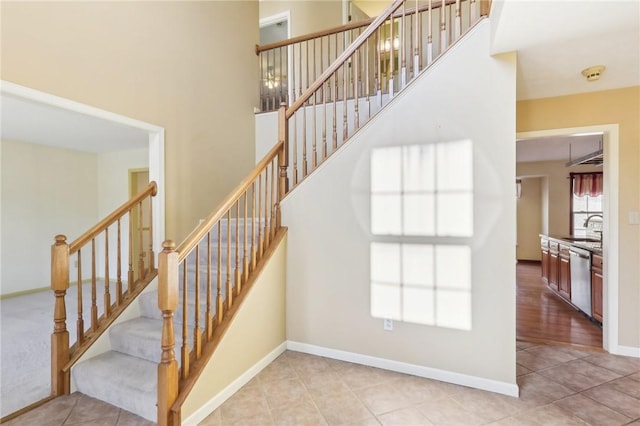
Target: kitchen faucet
586,223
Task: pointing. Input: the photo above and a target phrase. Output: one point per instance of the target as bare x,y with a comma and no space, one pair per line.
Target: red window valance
587,184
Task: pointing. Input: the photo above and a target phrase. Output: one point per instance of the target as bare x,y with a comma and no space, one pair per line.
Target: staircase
126,376
201,282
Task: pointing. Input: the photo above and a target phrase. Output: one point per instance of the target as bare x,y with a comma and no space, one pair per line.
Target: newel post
60,336
283,156
167,302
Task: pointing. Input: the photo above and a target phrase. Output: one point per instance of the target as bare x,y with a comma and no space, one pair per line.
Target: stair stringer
254,336
466,95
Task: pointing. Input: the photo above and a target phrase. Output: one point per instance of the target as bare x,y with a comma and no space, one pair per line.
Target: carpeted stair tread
122,380
139,337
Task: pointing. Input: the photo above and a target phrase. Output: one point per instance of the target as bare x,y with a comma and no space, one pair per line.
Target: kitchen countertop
591,244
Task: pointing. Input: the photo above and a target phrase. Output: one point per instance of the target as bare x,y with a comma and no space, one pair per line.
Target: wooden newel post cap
168,245
60,239
283,104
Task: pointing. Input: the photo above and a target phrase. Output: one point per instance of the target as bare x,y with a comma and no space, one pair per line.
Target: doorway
610,213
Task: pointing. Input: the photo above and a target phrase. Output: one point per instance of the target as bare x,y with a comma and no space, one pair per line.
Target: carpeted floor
26,324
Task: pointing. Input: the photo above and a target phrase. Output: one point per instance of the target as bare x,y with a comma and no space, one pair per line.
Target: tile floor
558,386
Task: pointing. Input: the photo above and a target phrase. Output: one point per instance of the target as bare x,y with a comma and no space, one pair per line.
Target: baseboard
413,369
209,407
626,351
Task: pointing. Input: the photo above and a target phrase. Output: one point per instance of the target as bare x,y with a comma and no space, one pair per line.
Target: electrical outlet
634,218
75,264
387,324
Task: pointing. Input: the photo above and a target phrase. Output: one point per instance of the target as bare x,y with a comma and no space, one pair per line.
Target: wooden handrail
362,38
342,28
151,189
201,230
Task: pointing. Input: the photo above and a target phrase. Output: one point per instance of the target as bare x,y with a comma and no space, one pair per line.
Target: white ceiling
35,122
557,148
556,40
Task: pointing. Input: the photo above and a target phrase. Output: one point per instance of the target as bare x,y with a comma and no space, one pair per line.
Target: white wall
328,216
45,191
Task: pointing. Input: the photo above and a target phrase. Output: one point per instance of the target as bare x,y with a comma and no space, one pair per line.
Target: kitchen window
586,199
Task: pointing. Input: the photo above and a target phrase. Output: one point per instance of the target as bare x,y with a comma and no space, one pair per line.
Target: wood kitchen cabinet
554,260
564,272
596,287
544,246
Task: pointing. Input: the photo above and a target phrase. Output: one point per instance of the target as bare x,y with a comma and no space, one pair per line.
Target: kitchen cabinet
596,287
554,260
544,246
564,272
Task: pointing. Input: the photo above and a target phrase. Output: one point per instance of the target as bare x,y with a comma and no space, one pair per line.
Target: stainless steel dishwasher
581,279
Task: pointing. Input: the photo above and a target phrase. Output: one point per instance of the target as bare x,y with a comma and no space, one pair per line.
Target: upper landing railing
381,61
418,32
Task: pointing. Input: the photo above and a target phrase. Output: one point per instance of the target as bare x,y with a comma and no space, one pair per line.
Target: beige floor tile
535,361
616,400
279,369
417,389
624,385
547,415
129,419
213,419
321,384
360,376
521,369
622,365
579,375
371,421
89,409
446,411
53,413
247,402
383,398
342,408
536,389
285,392
308,364
488,405
520,346
635,376
404,417
260,419
301,413
591,411
105,421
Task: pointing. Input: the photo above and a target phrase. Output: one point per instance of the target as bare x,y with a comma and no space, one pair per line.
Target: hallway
542,317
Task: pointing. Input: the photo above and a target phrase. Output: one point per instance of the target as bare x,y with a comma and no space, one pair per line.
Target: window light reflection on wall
418,193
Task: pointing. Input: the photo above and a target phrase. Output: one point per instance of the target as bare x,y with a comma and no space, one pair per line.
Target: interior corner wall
188,67
328,215
622,107
529,219
306,16
41,186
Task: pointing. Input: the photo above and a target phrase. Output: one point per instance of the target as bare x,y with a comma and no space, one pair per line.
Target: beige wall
257,329
306,16
329,301
622,107
184,66
529,220
45,191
